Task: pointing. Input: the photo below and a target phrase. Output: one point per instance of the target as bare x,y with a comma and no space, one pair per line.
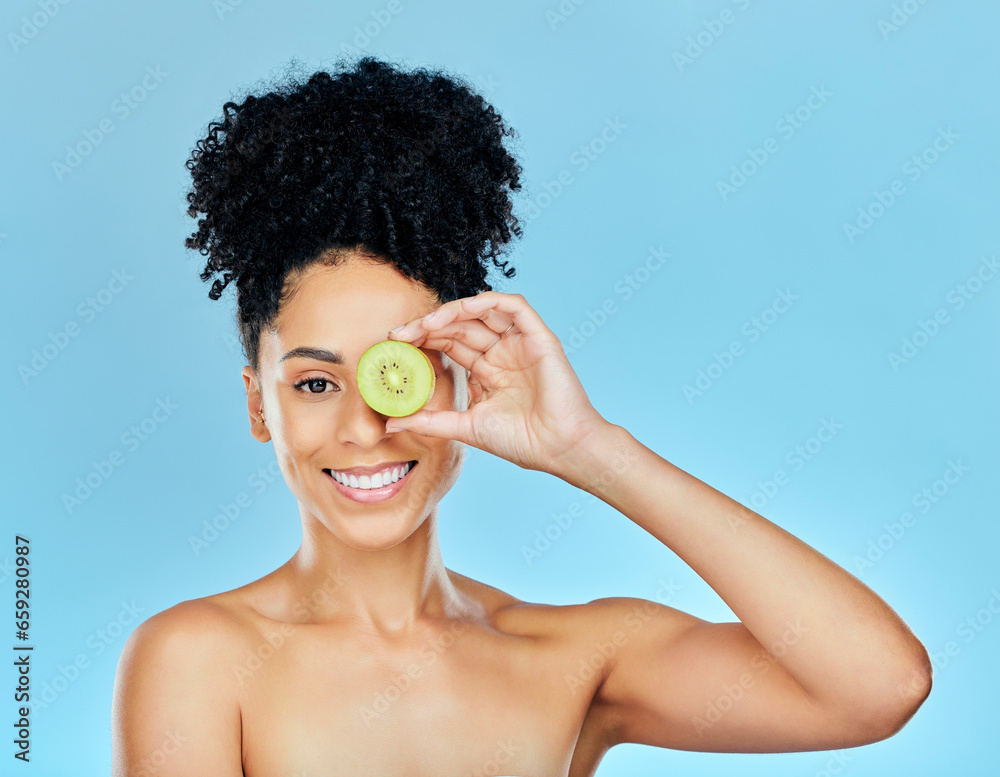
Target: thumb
447,424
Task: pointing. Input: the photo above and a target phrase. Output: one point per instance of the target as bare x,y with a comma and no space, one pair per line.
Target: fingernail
393,331
430,315
394,429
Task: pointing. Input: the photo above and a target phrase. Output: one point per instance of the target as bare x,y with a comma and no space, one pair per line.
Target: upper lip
359,471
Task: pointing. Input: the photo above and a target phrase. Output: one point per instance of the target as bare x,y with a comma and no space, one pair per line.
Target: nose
360,425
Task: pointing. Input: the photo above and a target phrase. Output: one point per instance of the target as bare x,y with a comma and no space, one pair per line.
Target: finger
458,351
446,424
474,334
475,390
497,322
414,327
492,307
496,307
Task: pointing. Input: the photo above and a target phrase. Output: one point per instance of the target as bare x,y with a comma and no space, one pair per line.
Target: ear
255,407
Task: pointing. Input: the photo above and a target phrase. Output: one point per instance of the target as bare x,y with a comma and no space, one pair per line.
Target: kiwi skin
391,368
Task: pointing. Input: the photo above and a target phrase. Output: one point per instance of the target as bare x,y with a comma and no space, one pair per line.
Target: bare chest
464,702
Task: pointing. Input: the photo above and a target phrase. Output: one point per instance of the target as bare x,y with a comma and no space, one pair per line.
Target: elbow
909,696
913,685
896,703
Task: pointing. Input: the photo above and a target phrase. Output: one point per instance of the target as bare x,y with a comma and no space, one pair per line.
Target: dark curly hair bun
407,166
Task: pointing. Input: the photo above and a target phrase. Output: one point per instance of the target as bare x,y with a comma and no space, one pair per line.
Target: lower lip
371,495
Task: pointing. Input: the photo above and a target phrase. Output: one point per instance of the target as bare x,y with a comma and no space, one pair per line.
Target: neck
390,591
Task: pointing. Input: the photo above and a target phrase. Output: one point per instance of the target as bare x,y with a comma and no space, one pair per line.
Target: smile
380,479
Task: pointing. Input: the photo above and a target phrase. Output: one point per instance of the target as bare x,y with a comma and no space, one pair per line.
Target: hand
526,404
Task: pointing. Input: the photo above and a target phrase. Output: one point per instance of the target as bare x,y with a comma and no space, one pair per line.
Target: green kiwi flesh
395,378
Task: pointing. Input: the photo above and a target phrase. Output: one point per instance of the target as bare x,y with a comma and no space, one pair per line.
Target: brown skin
364,655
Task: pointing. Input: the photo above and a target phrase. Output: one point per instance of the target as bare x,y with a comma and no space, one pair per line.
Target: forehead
346,307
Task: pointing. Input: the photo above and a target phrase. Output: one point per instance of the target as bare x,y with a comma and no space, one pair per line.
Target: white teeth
368,482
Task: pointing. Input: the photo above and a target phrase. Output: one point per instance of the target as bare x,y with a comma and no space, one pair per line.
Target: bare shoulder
505,612
190,645
598,618
175,694
591,646
574,624
207,627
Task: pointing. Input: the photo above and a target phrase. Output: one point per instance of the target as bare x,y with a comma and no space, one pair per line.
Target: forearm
835,636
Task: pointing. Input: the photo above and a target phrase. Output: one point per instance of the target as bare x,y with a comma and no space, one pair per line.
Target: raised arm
817,661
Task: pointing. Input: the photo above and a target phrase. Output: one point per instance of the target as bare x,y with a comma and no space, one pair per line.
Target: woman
367,205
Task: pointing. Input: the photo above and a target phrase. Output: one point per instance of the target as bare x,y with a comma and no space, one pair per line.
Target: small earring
260,415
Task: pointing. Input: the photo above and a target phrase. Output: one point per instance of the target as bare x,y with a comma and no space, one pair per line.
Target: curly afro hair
405,167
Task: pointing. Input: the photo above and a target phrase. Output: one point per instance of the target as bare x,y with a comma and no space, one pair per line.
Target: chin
375,534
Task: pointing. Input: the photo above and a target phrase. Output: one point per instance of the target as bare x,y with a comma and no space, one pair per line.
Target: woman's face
318,422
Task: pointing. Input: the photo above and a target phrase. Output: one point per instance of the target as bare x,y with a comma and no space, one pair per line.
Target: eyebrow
320,354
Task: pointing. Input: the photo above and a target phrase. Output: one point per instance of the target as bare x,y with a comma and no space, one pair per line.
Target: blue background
683,124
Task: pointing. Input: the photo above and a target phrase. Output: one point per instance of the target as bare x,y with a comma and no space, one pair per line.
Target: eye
312,383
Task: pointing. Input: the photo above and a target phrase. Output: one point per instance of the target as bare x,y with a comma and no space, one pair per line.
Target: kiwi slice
395,378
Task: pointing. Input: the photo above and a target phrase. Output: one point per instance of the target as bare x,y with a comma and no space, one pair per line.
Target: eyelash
298,386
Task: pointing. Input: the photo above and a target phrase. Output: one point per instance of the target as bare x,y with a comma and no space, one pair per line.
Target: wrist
597,459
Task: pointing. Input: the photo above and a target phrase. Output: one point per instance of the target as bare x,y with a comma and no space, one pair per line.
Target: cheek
303,430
